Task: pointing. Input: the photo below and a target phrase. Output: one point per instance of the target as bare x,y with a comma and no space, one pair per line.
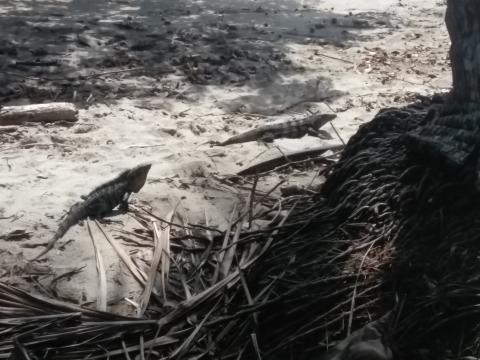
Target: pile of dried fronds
184,309
387,234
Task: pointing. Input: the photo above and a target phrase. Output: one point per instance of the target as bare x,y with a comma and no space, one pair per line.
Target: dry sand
197,71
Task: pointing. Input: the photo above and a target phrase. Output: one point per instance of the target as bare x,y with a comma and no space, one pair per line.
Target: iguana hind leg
124,203
267,138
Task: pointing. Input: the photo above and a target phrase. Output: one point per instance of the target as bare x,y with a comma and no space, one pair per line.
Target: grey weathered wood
282,159
51,112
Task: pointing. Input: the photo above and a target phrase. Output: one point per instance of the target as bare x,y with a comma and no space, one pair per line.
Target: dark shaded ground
95,50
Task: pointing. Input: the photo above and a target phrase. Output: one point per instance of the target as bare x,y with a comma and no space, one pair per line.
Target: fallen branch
36,63
281,160
8,129
15,115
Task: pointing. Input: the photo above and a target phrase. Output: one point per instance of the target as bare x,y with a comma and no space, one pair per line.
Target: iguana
102,201
289,129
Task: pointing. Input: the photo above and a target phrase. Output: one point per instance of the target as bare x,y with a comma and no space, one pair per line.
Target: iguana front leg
266,139
322,134
124,203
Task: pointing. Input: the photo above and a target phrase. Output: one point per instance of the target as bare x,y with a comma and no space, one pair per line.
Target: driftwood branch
270,164
15,115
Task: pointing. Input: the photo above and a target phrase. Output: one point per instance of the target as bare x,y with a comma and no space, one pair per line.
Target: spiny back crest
138,176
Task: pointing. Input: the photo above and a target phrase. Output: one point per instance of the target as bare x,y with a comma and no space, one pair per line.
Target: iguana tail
76,214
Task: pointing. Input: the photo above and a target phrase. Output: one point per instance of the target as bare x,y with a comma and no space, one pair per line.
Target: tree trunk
463,24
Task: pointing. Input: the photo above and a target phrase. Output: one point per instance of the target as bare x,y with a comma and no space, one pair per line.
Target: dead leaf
16,235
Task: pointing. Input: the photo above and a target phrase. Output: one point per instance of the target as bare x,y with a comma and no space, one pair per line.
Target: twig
183,348
336,132
125,350
248,295
354,295
262,199
247,114
417,84
229,254
333,127
281,152
191,226
258,155
142,348
251,202
253,336
28,146
144,146
66,274
184,112
335,58
114,72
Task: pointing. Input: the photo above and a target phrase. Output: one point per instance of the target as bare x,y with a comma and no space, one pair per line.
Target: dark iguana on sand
289,129
102,201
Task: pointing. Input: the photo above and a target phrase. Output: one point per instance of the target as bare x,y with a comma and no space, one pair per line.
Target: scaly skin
102,200
290,129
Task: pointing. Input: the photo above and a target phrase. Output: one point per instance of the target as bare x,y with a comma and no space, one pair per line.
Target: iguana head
138,176
322,119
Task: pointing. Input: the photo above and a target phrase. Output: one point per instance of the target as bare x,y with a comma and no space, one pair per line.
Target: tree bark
463,24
